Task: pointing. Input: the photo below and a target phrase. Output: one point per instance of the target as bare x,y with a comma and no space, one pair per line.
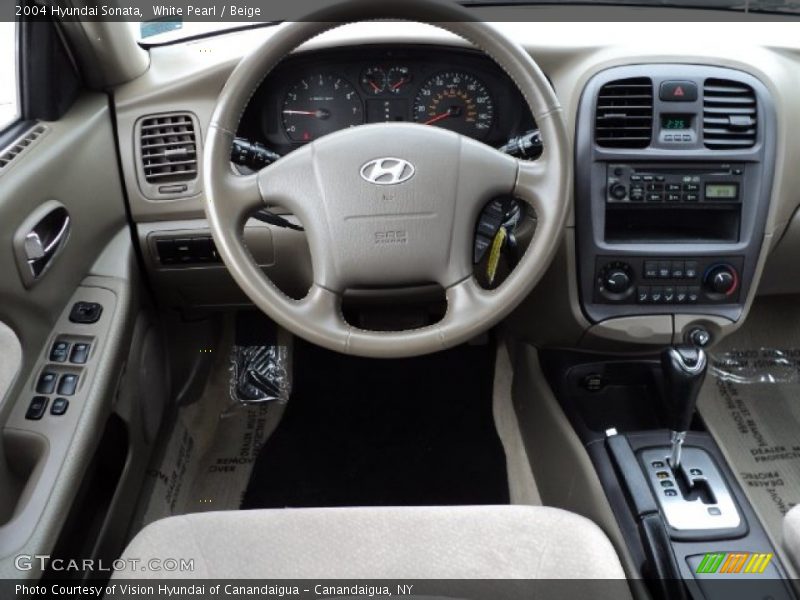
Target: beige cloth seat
469,542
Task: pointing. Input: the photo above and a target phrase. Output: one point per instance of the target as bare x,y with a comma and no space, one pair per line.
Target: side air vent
624,117
168,148
729,114
20,145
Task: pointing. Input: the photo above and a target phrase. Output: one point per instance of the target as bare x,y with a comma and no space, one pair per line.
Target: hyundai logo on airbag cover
387,171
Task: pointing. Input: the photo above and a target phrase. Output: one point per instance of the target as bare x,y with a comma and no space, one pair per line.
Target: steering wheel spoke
291,183
541,183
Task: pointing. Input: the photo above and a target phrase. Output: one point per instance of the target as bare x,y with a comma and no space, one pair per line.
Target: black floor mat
367,432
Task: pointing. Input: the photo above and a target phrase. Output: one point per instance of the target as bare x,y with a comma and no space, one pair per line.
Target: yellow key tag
494,254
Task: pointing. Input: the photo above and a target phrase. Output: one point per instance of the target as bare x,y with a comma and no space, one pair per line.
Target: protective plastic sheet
260,374
765,365
204,464
751,403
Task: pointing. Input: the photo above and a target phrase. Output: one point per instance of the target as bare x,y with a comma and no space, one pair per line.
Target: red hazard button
678,91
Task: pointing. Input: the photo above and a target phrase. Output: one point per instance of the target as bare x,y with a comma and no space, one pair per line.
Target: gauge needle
399,83
318,114
438,118
374,85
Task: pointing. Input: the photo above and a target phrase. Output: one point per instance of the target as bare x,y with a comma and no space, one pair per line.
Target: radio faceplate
632,184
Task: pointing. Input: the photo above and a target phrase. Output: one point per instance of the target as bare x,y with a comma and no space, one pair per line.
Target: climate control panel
647,280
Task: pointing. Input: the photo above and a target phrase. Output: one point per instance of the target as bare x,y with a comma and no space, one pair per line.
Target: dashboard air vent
20,145
169,148
729,114
624,117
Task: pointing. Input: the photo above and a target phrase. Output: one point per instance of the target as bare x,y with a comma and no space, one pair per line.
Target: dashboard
318,93
634,266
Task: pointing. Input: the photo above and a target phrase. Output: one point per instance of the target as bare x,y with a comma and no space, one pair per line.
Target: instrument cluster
313,94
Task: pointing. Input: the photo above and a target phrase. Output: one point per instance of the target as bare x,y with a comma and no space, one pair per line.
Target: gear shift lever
684,371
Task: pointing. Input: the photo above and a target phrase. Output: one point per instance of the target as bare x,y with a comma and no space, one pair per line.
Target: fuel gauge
397,79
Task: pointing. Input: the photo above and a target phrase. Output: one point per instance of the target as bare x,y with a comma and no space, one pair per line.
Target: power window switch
59,351
46,383
80,353
59,407
67,385
36,408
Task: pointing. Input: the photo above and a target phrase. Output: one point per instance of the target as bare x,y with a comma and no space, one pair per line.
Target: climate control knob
616,281
722,279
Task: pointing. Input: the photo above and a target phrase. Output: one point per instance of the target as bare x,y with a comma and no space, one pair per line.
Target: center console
688,525
673,178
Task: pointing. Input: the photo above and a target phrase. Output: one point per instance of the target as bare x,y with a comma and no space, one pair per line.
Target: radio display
722,191
676,121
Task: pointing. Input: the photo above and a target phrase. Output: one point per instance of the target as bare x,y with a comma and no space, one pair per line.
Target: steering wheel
387,205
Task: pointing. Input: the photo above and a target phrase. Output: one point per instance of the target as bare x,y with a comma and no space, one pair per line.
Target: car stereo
674,184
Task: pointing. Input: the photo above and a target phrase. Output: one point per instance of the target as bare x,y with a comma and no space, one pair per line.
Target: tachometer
456,101
320,104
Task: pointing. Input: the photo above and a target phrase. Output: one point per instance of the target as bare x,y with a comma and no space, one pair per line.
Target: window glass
9,96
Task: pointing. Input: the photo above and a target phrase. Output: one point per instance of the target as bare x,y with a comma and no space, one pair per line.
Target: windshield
166,29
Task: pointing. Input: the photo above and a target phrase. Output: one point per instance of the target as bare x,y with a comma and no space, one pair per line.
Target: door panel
71,171
74,164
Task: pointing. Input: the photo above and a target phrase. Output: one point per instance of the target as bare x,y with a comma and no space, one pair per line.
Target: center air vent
624,117
168,148
729,114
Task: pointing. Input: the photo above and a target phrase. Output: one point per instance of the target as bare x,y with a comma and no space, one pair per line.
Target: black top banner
263,11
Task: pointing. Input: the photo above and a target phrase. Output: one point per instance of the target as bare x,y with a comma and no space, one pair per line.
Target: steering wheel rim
354,239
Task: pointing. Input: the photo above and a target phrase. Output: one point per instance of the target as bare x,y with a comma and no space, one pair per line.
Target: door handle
40,238
35,247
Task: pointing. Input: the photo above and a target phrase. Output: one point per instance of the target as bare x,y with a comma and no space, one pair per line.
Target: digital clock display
673,122
722,191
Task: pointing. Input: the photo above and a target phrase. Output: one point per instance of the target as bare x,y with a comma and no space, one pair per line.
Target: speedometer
456,101
320,104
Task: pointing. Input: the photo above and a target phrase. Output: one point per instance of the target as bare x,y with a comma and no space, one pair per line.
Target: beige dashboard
187,78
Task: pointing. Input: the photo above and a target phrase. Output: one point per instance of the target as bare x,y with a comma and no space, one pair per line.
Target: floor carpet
369,432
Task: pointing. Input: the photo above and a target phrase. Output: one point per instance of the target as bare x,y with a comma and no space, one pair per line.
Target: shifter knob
684,371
